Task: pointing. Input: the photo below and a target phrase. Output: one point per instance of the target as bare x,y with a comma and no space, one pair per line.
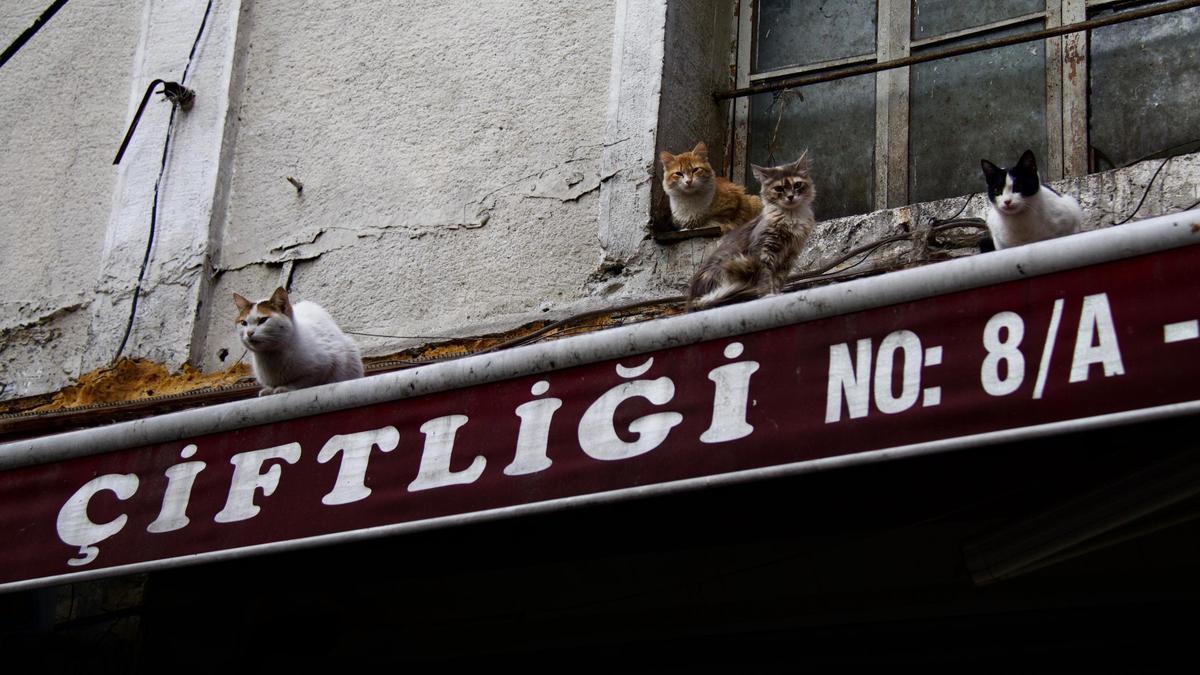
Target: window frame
1066,89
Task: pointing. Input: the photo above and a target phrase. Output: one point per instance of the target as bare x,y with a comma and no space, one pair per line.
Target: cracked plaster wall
450,158
466,169
63,100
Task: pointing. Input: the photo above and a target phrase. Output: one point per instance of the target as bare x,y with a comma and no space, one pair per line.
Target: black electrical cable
137,290
1145,193
137,117
30,32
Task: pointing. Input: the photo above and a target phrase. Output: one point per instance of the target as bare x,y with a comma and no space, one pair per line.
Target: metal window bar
866,69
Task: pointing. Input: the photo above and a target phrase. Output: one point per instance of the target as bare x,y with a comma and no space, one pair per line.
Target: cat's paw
280,390
266,391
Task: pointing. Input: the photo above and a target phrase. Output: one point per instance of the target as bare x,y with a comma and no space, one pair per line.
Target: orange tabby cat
699,197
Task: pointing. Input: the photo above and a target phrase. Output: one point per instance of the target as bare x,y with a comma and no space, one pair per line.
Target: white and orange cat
701,198
294,346
754,260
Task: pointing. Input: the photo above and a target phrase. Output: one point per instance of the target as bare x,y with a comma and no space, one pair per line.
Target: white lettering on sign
248,478
534,433
1096,340
1095,343
731,398
1002,339
1181,331
180,478
1039,383
885,376
597,431
851,382
932,396
435,458
351,483
910,379
74,526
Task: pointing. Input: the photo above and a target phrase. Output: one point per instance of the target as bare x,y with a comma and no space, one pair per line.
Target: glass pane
986,105
835,121
939,17
799,32
1143,80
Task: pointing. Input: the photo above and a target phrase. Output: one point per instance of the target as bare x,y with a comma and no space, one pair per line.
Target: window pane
1143,79
986,105
799,32
835,121
939,17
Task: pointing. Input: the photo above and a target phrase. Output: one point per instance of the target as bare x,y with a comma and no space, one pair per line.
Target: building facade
438,170
464,169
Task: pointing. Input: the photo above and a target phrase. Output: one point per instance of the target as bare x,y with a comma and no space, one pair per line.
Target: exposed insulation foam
137,379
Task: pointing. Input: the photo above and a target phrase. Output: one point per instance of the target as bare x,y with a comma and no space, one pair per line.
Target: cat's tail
718,296
718,282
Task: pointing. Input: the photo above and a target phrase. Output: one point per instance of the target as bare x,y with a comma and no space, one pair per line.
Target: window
1082,102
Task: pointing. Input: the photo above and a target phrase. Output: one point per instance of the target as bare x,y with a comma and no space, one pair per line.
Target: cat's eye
242,322
679,174
778,188
262,320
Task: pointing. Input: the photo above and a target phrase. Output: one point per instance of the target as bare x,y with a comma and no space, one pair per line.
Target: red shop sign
1077,344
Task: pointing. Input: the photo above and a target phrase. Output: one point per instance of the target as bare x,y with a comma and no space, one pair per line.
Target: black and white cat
1023,209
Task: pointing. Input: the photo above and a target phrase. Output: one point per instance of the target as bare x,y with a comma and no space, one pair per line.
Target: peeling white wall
175,282
449,153
62,114
467,167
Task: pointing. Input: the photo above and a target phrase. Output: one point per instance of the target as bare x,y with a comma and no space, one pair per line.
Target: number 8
1003,350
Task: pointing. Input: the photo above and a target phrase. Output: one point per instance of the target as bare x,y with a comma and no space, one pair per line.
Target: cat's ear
989,169
666,157
801,165
701,150
1027,162
762,173
243,304
279,299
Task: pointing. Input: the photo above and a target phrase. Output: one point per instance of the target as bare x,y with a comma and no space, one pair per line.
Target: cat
294,346
1023,209
699,197
757,257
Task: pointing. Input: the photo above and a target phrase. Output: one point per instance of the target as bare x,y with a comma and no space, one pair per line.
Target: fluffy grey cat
757,257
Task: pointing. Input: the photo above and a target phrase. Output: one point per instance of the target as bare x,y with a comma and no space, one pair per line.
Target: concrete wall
62,113
452,156
449,155
467,167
